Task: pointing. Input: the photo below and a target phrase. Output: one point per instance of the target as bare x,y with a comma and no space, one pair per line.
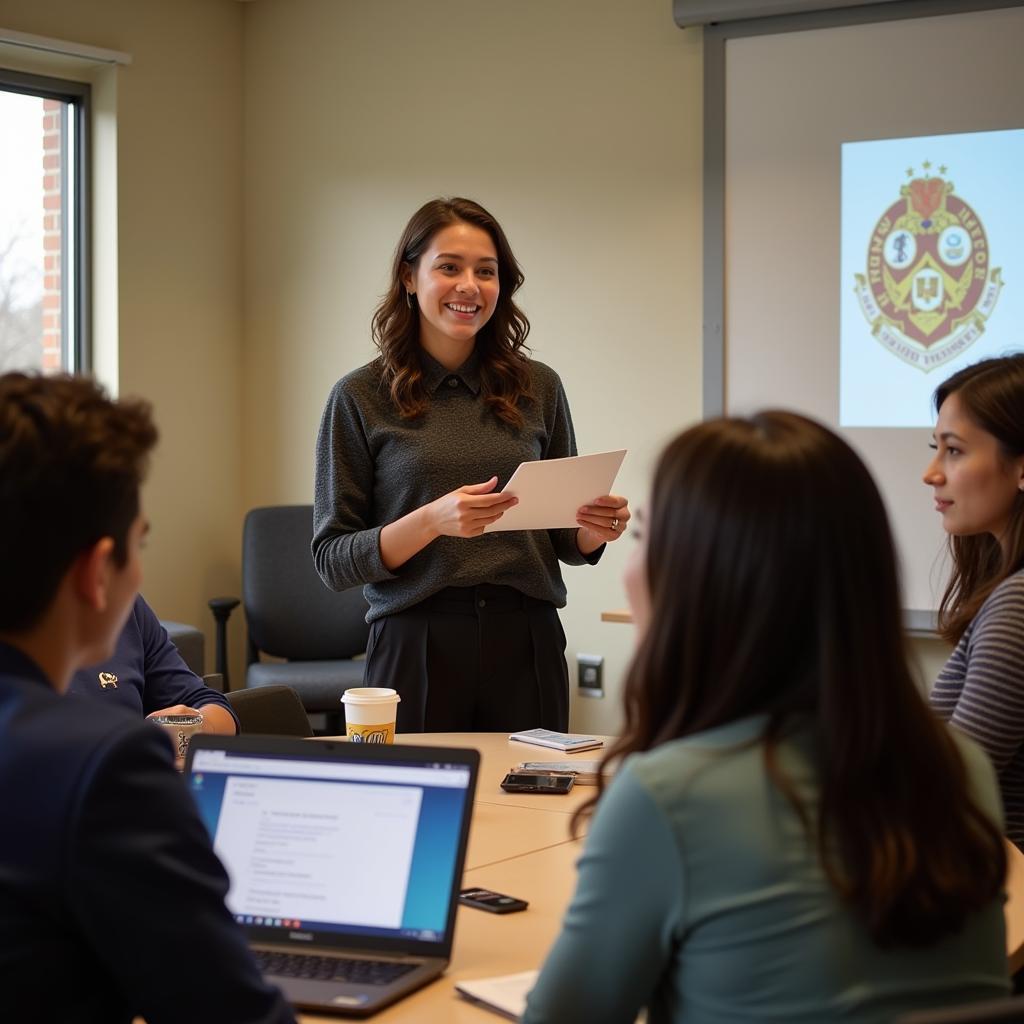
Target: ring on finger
615,525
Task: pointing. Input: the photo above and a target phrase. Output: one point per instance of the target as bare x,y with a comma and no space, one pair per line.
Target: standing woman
794,836
977,476
412,452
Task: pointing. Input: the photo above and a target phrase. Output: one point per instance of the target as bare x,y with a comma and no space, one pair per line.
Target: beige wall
577,123
178,285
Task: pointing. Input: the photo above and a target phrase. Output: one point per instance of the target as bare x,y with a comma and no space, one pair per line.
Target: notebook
564,741
345,860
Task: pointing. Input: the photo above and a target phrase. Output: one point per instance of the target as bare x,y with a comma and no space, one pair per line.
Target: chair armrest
222,607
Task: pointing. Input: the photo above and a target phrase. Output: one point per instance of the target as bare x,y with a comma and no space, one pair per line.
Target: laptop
345,859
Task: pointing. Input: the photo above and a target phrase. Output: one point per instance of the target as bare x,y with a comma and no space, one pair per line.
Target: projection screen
873,236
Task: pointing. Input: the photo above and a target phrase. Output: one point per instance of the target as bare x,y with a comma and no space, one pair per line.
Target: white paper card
550,491
505,995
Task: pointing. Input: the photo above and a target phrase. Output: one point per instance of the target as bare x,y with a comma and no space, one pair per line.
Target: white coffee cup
181,729
370,713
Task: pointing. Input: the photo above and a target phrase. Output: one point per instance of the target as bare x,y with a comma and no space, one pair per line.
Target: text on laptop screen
359,848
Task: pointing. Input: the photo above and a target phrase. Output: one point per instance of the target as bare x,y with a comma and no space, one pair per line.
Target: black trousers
473,659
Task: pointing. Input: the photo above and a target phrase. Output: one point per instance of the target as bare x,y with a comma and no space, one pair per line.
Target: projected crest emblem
929,287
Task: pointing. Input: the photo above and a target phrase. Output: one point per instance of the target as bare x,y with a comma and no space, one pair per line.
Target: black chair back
270,710
289,612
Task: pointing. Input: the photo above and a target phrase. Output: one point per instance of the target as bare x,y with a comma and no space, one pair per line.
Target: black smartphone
495,902
523,782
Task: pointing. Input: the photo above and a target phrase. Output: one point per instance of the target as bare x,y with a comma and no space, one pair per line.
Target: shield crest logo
929,286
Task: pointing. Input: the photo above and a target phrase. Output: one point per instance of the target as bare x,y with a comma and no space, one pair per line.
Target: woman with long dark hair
791,834
977,475
412,453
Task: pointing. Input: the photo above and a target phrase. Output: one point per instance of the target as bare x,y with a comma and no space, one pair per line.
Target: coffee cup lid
370,695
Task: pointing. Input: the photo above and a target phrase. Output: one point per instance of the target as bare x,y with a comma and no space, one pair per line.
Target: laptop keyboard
330,968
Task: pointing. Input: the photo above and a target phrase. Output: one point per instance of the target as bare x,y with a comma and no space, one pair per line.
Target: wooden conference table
520,844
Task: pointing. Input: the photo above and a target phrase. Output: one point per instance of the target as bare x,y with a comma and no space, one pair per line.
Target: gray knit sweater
372,468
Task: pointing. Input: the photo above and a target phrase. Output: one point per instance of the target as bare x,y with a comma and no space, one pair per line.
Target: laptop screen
331,846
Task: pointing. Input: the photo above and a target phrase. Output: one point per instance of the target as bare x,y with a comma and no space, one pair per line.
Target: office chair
270,710
189,642
291,615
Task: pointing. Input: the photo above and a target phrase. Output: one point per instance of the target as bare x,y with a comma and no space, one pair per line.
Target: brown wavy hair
992,395
71,464
774,590
501,343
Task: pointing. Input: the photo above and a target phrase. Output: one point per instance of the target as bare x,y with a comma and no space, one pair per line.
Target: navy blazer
111,897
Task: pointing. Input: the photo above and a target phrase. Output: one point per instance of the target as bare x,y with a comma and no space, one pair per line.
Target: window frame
76,259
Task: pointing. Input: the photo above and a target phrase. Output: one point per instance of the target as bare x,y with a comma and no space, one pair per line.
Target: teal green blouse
700,898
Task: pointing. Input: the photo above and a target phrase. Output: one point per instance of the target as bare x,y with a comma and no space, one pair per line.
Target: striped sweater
980,690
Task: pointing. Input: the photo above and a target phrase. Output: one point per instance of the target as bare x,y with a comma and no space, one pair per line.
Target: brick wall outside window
52,228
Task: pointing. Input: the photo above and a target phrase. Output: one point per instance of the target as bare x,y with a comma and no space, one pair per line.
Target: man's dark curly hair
71,464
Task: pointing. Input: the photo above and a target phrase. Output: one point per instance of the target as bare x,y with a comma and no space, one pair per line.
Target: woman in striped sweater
977,475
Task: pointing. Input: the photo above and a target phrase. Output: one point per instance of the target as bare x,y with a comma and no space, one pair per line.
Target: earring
408,299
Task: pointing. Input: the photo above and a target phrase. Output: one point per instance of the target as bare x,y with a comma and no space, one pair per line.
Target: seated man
111,897
148,676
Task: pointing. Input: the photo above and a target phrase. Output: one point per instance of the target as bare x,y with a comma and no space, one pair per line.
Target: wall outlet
590,675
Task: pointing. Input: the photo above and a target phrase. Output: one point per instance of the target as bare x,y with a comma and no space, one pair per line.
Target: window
43,264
